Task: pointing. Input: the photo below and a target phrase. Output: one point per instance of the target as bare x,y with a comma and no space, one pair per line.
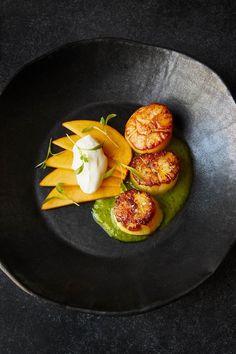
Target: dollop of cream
94,166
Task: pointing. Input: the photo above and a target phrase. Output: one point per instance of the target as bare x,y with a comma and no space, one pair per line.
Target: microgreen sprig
49,153
64,196
123,187
132,170
72,141
83,156
129,168
96,147
103,121
60,189
79,169
51,198
109,172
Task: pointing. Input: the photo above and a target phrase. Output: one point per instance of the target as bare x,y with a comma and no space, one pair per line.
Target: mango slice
75,194
65,143
62,160
59,175
68,177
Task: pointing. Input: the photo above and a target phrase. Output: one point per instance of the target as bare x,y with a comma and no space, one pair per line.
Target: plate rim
111,39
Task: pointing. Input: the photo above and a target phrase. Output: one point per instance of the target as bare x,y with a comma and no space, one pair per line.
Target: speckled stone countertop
203,320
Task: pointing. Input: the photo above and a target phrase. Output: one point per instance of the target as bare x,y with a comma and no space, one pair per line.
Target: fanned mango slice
62,160
65,158
115,146
59,175
67,177
75,194
65,142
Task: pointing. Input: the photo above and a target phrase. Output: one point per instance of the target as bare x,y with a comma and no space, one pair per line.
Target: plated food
131,178
64,177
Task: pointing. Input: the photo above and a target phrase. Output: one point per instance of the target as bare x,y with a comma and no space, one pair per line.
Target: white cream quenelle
92,164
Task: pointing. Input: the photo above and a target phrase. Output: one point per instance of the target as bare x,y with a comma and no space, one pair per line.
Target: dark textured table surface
203,320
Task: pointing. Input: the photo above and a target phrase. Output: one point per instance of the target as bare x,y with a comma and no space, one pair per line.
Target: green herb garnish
110,116
49,153
88,129
72,141
64,196
109,173
103,121
79,169
132,170
96,147
50,198
123,187
84,158
60,189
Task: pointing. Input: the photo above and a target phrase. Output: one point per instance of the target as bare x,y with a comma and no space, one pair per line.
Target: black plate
63,255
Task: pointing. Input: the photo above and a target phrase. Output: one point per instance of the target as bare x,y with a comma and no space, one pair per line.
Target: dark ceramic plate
63,255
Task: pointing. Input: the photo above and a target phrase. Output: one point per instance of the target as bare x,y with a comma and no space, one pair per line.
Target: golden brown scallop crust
149,129
159,170
133,209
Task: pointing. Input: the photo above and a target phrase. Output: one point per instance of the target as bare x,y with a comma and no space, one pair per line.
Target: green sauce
171,202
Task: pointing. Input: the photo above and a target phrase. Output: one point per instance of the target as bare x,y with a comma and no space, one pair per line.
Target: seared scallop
159,171
137,213
149,129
